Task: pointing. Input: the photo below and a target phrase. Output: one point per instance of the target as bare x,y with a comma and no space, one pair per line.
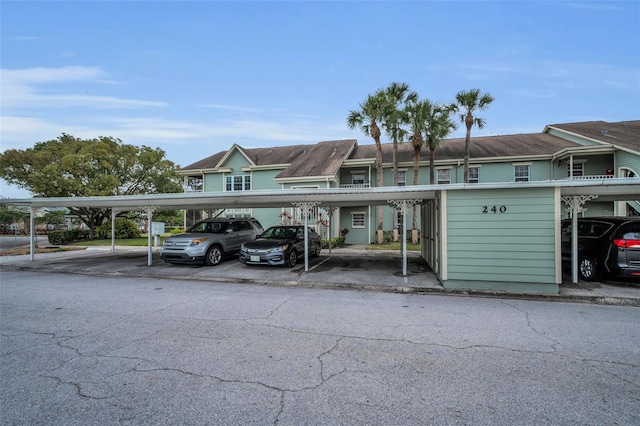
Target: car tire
316,252
587,269
292,259
213,256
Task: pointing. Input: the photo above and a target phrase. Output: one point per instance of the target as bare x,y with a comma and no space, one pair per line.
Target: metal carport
574,193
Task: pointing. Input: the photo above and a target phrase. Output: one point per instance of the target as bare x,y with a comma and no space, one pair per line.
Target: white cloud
21,89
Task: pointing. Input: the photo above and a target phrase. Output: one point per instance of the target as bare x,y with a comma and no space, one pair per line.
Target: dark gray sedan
280,245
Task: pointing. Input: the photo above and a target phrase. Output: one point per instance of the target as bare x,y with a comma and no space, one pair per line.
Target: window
578,170
357,220
194,184
402,178
443,176
238,183
474,174
522,172
357,178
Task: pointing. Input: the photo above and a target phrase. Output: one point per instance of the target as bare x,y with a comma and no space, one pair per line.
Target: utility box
157,229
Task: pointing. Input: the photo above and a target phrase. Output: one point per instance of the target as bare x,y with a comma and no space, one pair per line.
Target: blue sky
194,77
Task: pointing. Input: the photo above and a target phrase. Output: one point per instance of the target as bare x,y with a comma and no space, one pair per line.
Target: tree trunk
375,132
467,143
416,171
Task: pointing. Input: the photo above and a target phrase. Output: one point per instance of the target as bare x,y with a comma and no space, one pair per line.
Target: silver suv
208,241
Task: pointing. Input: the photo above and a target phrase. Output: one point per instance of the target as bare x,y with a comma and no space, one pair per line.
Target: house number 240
494,209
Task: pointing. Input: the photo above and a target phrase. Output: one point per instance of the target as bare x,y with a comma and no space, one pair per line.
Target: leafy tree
72,167
9,216
366,118
470,101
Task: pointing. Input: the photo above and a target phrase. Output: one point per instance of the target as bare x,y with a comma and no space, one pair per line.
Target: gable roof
624,134
326,158
321,159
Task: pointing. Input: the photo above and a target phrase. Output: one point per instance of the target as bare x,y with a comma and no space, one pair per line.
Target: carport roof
607,189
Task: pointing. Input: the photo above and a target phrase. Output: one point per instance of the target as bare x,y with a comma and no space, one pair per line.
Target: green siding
628,161
501,249
236,161
264,179
213,182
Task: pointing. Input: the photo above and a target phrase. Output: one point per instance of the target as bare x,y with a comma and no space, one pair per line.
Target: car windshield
209,227
279,232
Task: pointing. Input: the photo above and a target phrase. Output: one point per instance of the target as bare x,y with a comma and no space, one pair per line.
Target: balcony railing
354,185
594,177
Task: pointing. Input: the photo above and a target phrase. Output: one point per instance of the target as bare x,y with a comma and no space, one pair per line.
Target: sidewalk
350,267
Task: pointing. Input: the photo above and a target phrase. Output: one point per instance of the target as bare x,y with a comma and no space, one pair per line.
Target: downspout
149,252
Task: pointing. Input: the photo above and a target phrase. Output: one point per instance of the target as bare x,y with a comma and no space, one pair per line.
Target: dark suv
208,241
607,247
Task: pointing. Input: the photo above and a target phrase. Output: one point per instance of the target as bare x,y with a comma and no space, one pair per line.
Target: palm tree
366,118
396,96
471,101
434,120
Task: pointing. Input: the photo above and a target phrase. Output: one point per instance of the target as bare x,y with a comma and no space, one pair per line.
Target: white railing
354,185
594,177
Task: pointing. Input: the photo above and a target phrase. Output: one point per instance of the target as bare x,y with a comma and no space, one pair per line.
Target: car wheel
213,256
317,251
292,260
587,269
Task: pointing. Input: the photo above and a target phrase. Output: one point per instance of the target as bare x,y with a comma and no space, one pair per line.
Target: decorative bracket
306,206
402,204
577,202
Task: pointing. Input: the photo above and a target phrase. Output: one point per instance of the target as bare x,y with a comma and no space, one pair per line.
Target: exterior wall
358,235
213,182
264,179
628,161
512,247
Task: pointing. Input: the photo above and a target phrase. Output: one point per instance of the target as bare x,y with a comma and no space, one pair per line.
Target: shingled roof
481,147
625,134
326,158
321,159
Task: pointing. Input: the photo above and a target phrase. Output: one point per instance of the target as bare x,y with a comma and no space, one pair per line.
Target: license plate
255,258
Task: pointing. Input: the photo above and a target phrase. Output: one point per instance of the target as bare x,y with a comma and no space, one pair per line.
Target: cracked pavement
78,350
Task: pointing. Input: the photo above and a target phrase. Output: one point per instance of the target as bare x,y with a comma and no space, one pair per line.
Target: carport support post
32,248
330,210
574,208
306,208
402,205
149,221
113,230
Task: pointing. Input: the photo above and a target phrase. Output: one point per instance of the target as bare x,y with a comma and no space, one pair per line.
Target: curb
563,298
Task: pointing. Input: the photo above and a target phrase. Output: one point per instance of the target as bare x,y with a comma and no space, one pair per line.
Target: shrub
335,242
177,230
124,228
66,237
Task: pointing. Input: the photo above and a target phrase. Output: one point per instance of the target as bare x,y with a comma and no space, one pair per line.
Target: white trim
444,257
364,218
557,203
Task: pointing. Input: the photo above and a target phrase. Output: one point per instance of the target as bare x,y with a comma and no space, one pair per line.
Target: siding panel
517,245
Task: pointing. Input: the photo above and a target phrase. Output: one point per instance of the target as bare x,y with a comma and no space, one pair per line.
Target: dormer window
238,183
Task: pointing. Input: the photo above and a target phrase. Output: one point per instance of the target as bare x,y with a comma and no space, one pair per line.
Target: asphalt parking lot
350,267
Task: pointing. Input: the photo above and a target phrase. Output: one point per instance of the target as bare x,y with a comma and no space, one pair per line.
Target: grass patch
20,251
132,242
393,246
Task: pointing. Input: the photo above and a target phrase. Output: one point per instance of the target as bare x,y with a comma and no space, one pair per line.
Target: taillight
626,243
